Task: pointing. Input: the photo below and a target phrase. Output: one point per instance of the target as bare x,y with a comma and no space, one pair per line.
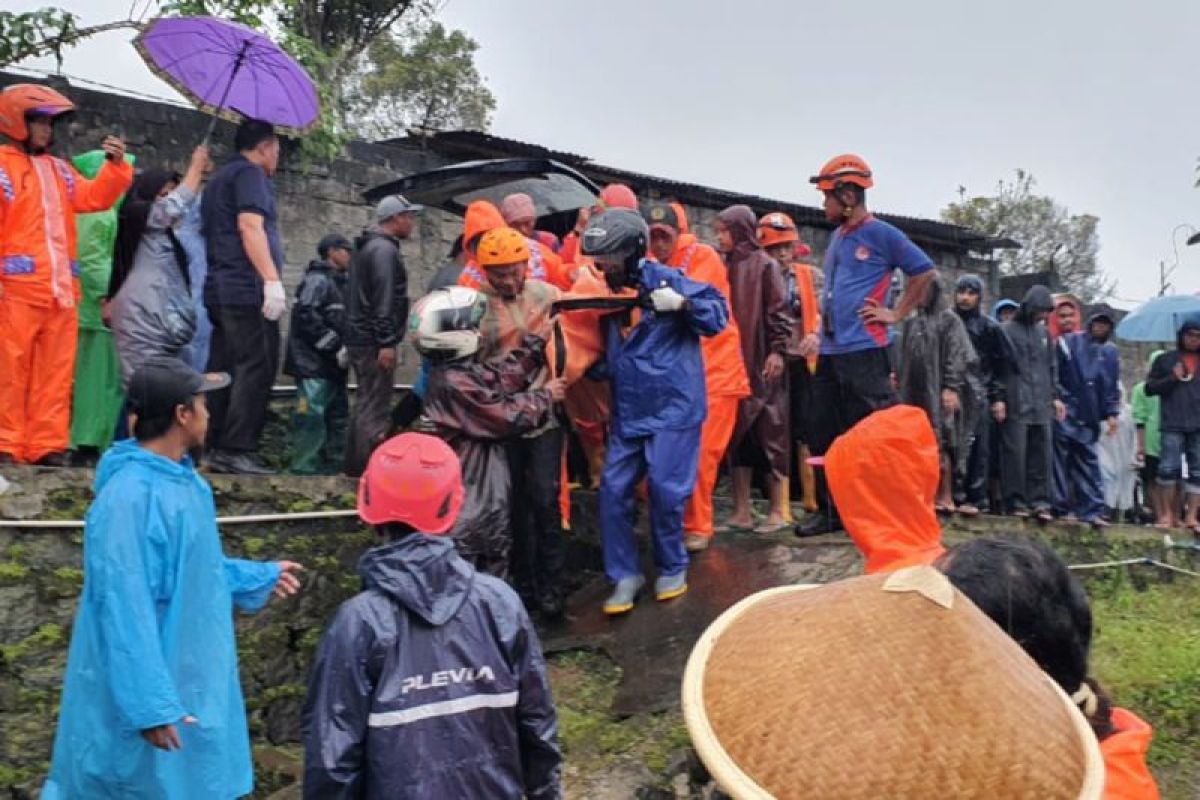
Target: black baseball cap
162,383
657,213
333,241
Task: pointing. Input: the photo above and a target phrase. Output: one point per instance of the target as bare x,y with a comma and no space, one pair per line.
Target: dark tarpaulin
476,406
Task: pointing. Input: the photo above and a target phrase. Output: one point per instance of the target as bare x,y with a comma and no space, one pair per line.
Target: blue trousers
668,462
1078,488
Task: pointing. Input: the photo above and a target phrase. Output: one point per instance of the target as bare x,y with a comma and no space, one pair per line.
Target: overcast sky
1097,99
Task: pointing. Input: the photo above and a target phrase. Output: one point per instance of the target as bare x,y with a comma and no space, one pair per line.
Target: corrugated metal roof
475,144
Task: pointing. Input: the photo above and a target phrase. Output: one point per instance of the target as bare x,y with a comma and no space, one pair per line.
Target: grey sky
1097,99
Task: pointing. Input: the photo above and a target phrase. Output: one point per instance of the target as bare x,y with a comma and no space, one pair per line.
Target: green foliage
47,637
47,31
424,78
12,572
1050,236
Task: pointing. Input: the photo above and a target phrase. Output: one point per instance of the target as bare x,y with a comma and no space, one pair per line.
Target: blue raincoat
659,404
153,641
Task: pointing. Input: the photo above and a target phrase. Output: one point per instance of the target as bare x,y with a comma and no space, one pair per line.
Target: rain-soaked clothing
96,396
1117,454
1089,379
656,372
883,474
39,198
934,354
544,263
1179,413
477,406
805,283
535,456
758,291
430,684
995,353
153,641
1029,391
725,381
152,313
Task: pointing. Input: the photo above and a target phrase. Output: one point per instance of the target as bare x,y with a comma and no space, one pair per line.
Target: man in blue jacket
151,704
430,683
1089,377
656,372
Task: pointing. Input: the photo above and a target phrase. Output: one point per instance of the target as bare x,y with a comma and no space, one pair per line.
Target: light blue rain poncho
153,641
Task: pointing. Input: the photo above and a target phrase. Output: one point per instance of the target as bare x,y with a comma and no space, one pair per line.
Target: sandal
772,527
944,509
968,510
1044,516
734,527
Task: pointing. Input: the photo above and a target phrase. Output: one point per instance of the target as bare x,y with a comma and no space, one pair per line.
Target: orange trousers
714,439
37,366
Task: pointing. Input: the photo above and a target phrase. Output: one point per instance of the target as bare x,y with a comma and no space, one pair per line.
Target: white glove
274,300
343,358
666,300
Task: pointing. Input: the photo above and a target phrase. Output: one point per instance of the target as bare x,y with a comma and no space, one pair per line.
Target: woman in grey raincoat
151,308
936,370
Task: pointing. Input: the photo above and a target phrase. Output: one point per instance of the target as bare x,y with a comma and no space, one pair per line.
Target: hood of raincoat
935,299
128,451
420,572
743,228
1190,322
681,216
883,474
1100,312
1037,299
481,217
1003,304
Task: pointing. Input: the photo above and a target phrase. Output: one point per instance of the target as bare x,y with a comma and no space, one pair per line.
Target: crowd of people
663,357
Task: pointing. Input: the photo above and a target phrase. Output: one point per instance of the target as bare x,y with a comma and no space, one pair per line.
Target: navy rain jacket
430,684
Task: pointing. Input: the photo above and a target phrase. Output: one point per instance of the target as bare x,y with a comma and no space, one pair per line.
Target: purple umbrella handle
237,65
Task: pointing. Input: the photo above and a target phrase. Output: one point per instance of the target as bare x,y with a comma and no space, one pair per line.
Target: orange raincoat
544,263
724,378
883,474
39,197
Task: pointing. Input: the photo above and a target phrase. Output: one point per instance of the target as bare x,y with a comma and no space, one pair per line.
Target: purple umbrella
230,71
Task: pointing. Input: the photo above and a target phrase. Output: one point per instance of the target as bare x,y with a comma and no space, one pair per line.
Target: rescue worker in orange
40,195
482,216
724,373
883,474
519,305
778,235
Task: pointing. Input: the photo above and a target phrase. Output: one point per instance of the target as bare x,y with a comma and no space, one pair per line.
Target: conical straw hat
883,686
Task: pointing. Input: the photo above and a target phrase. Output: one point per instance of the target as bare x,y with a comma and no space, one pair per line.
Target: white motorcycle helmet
444,324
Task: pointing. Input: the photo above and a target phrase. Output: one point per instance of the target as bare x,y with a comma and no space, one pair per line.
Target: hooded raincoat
153,641
476,406
430,684
96,395
934,353
758,291
883,474
152,312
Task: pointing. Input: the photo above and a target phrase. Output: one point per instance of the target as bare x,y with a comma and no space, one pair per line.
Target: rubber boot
624,595
668,587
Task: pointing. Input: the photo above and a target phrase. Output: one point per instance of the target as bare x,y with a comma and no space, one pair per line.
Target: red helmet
412,478
847,168
28,98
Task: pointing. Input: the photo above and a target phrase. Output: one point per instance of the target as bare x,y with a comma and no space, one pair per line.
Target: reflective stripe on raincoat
39,197
153,641
430,684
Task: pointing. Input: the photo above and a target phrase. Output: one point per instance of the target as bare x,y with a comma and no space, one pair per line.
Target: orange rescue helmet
501,247
20,99
777,228
415,479
847,168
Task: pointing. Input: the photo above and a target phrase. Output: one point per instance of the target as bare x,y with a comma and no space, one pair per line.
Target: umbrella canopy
553,187
230,71
1158,320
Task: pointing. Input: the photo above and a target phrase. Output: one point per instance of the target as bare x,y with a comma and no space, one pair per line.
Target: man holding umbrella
244,295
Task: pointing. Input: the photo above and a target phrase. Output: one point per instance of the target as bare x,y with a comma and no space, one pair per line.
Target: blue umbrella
1158,320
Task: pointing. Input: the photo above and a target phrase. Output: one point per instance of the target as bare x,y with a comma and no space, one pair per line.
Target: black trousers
1025,465
972,487
246,345
372,417
537,546
845,389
